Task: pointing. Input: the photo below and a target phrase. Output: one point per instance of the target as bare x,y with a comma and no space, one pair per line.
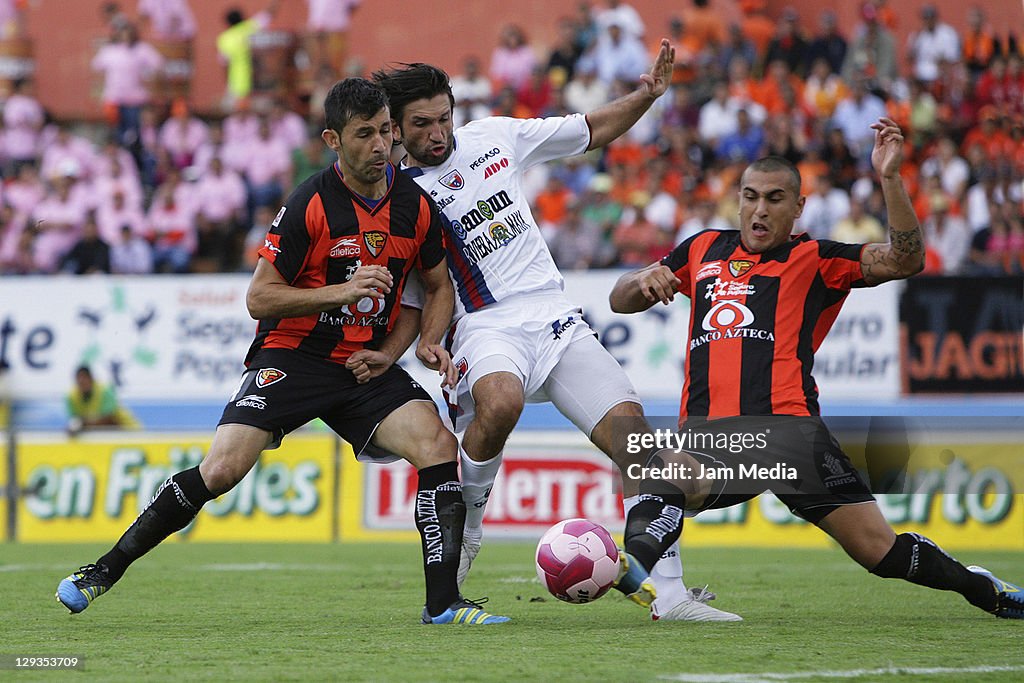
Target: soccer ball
577,560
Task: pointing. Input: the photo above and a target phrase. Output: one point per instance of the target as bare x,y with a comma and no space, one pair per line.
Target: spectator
872,53
854,116
823,209
859,227
585,92
128,66
622,15
638,239
782,139
742,145
287,126
24,192
578,244
824,89
756,25
980,42
314,156
90,254
116,213
472,91
737,46
233,154
788,44
131,254
67,147
934,43
59,218
169,20
980,197
182,135
268,168
327,30
948,234
91,405
718,115
618,56
924,115
220,209
23,119
118,181
951,169
22,257
991,252
704,217
12,25
704,25
561,65
829,44
535,94
235,52
513,59
171,228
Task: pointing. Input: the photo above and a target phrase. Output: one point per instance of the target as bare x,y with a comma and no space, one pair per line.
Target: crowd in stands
169,191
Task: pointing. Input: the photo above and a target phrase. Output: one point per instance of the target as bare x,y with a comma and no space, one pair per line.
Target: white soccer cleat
693,608
470,549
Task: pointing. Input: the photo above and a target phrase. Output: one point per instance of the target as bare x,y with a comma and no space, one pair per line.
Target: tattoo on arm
901,258
906,242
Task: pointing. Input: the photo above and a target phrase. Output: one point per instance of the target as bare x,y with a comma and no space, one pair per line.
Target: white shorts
542,339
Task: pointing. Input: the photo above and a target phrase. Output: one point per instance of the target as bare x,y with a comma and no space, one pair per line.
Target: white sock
477,480
667,573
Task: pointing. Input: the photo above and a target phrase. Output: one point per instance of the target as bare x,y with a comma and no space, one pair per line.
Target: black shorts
806,467
283,390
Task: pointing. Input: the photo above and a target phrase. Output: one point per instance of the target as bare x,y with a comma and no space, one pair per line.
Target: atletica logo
252,401
346,247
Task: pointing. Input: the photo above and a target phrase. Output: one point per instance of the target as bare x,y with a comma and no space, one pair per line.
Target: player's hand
366,364
887,155
436,357
658,283
657,81
371,281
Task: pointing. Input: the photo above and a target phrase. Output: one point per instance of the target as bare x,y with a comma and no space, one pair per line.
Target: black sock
440,516
654,524
175,504
917,559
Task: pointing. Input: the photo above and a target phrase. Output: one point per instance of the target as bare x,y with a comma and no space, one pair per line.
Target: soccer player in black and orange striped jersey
762,301
328,285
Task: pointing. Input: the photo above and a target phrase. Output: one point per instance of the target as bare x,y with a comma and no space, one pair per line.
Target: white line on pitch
850,673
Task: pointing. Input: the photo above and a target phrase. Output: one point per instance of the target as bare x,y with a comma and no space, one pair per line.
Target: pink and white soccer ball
577,560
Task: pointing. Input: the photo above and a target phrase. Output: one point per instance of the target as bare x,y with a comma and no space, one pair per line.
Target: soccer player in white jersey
515,336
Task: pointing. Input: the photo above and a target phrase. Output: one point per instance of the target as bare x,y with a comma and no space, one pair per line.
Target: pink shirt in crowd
267,160
169,19
110,219
23,119
126,68
330,15
182,138
290,129
241,127
172,224
59,221
60,151
220,197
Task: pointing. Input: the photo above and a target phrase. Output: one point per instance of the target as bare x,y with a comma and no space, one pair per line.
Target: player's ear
331,139
396,131
800,206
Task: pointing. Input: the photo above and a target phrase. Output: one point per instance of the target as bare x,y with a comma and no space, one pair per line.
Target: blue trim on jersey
460,267
389,174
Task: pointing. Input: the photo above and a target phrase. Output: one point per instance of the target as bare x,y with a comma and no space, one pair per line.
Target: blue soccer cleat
78,590
464,611
1009,598
634,580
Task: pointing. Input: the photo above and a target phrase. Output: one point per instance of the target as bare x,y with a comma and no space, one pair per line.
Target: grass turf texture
351,612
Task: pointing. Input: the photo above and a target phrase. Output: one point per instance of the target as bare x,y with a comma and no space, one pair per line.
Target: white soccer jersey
495,249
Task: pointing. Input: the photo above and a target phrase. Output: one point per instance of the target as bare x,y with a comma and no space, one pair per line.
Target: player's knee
497,418
220,476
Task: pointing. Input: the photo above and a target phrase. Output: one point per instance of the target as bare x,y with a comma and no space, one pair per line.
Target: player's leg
232,454
589,387
415,432
496,387
866,536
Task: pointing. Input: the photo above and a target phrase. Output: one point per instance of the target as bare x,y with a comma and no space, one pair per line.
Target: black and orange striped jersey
757,319
322,235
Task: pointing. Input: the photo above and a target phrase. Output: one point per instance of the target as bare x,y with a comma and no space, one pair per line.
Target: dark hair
83,369
410,82
352,97
772,163
234,16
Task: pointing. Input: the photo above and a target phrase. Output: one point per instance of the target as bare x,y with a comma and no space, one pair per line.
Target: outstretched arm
611,120
903,256
637,291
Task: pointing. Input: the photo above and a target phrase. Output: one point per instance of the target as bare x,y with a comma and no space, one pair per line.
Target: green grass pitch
350,612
